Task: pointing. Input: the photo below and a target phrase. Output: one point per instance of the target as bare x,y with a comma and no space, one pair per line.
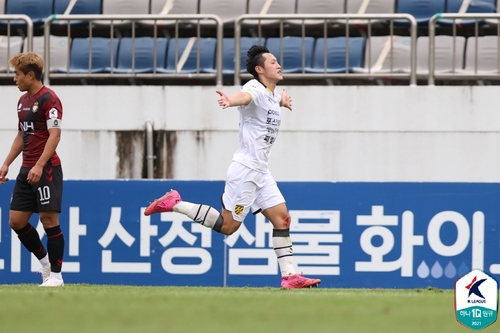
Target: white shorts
247,189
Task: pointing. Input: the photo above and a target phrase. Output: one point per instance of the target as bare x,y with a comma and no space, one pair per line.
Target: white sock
282,244
56,275
45,261
203,214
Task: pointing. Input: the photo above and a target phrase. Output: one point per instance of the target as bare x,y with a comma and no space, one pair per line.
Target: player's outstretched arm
236,99
286,100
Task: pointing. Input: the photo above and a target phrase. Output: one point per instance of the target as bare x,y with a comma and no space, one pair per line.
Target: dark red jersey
33,113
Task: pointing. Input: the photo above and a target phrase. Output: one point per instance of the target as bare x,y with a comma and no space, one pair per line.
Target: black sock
55,247
31,240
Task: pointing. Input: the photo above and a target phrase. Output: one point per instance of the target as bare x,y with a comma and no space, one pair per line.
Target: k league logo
473,288
476,300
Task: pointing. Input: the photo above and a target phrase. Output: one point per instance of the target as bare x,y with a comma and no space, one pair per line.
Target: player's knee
283,221
15,225
18,221
49,219
287,220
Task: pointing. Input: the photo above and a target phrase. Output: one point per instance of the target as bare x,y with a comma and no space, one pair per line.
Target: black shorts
44,196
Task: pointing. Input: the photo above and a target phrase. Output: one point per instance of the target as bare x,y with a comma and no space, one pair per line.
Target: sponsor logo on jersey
238,209
27,126
53,113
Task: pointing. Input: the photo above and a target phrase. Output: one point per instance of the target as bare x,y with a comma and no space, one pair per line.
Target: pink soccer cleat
164,204
298,281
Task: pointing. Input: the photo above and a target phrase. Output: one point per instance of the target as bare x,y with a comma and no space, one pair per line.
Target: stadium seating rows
312,54
385,54
229,10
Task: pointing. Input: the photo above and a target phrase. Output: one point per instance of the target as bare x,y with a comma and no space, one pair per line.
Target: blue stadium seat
494,22
81,7
37,10
454,6
144,55
422,10
102,53
336,51
185,50
483,6
228,50
294,50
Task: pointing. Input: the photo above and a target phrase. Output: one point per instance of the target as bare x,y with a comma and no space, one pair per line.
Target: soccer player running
249,184
38,187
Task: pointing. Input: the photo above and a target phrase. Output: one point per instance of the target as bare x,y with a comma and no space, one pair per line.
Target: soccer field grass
123,309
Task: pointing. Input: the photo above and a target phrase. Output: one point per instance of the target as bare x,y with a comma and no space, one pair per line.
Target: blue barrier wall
386,235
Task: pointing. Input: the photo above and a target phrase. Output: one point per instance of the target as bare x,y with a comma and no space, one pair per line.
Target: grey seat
174,7
227,10
9,47
171,7
125,7
271,6
268,7
59,51
448,54
370,7
384,54
121,7
488,58
318,7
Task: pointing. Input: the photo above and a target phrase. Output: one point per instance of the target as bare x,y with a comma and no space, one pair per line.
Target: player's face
272,69
23,81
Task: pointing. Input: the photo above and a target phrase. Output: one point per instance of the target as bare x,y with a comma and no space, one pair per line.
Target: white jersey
259,125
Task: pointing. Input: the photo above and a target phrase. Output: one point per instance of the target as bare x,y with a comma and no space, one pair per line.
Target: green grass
123,309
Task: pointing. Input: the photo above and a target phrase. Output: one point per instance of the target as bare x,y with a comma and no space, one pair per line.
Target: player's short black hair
255,58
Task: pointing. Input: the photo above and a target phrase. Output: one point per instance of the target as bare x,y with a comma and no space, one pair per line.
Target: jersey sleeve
253,89
53,112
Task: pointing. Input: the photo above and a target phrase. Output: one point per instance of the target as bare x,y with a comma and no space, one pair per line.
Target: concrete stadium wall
334,133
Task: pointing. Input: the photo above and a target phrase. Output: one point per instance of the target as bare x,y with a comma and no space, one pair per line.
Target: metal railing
349,22
135,20
328,20
7,21
457,21
150,157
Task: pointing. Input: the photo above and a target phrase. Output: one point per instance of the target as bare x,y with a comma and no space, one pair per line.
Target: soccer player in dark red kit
39,183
